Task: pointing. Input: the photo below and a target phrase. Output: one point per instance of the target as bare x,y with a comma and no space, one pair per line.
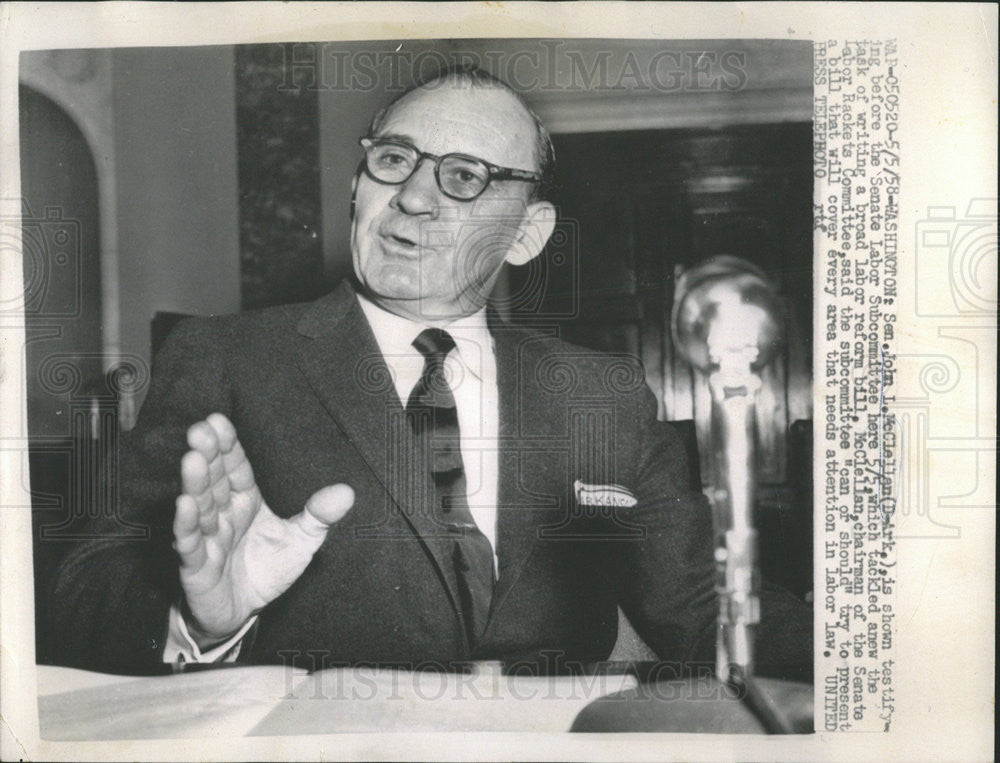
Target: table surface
275,700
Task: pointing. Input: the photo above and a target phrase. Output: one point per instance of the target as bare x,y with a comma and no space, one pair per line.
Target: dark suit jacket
313,404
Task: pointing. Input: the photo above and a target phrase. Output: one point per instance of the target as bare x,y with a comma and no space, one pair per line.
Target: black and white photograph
381,385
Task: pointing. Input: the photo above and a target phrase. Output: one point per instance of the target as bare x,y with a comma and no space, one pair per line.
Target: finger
194,474
221,489
236,464
240,474
223,434
217,479
233,470
224,430
202,438
208,519
237,468
292,542
324,508
188,539
195,480
306,531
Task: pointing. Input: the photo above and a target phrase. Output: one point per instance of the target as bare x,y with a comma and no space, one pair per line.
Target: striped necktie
433,415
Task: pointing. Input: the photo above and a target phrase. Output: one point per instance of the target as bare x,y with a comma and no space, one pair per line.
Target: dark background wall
277,145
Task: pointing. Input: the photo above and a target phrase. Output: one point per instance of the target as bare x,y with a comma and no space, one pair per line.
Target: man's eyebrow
397,138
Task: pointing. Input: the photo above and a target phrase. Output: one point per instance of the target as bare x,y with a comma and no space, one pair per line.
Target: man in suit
391,474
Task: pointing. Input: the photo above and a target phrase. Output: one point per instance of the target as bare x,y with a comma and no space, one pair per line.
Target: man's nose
419,195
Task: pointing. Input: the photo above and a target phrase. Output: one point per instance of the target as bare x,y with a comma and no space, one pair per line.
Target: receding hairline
470,110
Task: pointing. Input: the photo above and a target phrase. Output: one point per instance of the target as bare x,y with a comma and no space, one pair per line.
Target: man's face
422,254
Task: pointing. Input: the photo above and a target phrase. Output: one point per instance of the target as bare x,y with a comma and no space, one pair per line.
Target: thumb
324,508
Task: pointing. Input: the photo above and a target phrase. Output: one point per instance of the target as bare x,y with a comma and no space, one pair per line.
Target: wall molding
608,112
80,83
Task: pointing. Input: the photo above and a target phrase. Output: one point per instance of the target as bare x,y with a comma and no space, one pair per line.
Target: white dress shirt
471,373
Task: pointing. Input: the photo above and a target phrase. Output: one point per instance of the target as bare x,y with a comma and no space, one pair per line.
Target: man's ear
533,233
354,194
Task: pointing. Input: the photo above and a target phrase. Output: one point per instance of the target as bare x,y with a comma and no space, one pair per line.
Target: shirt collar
395,334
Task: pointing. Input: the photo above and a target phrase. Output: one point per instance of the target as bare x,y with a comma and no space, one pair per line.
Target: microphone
727,322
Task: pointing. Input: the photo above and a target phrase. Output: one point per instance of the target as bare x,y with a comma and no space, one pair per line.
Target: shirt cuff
180,647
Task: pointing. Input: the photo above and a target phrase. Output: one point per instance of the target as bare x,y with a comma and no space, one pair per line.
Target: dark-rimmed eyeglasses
459,176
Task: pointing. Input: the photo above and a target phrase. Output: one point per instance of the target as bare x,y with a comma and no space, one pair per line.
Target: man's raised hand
236,555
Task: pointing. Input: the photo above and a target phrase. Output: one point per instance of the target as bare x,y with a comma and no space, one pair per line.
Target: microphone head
726,309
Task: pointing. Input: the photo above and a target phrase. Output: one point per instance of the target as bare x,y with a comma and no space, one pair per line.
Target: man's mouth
400,243
402,240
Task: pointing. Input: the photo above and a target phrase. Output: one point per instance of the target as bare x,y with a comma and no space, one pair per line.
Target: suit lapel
345,368
530,464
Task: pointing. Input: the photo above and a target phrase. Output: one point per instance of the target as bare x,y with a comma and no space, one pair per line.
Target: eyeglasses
459,176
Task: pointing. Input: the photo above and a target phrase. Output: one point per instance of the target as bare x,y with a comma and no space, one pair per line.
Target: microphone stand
726,323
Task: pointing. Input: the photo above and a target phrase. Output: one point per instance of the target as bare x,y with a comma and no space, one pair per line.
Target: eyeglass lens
457,176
